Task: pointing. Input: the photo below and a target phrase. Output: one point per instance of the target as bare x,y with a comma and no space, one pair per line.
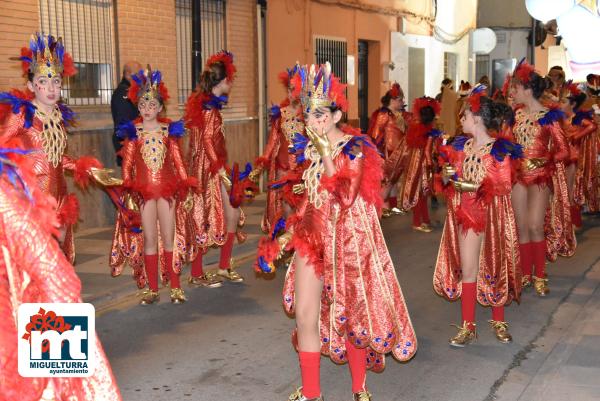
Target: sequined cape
488,211
18,120
361,296
582,132
388,132
418,180
205,225
34,269
145,179
276,159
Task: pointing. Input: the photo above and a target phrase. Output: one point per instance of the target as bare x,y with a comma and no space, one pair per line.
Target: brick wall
18,20
146,33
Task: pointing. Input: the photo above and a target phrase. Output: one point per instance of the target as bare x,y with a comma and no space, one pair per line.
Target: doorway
363,84
416,73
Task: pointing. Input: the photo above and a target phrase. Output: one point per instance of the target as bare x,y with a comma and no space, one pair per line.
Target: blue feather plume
177,129
458,143
127,130
11,171
68,115
503,147
279,228
16,104
582,115
552,116
434,133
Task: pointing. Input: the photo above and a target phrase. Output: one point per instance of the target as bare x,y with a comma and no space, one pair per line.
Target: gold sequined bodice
53,135
400,121
526,127
153,147
313,173
291,123
473,168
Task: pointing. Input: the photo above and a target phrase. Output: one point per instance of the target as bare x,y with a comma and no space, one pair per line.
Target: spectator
120,106
447,82
485,80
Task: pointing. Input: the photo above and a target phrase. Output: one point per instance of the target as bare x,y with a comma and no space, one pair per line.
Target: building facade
102,35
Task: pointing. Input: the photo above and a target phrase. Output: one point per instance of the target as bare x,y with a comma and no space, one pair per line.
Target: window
334,51
212,38
86,27
482,66
450,66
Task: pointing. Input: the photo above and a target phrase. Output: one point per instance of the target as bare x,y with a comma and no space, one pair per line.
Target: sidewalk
563,363
103,290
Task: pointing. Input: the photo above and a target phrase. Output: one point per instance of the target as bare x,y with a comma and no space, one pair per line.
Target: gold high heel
149,297
425,228
208,279
297,396
362,396
541,286
177,296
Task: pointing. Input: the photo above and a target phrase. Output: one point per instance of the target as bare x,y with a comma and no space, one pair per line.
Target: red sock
173,277
498,313
526,258
151,266
357,360
424,210
310,369
393,202
417,214
576,216
226,250
467,304
539,258
197,266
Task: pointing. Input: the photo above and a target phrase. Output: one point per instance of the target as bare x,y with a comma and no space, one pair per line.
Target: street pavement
233,343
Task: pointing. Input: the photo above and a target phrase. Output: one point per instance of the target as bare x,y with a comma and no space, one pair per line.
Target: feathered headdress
570,89
594,82
423,102
474,98
321,88
226,58
523,72
46,56
291,80
395,91
147,85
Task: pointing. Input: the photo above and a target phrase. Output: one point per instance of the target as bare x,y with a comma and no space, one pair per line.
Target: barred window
212,38
86,27
334,51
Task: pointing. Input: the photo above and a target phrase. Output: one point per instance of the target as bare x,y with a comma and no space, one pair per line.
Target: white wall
434,60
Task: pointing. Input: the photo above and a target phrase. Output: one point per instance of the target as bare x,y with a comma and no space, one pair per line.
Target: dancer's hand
188,204
534,163
464,186
298,189
320,142
254,175
448,171
225,179
283,240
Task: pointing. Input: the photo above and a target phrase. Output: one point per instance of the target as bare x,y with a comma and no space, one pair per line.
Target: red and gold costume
487,210
207,161
363,315
418,183
34,269
46,133
387,129
286,121
152,168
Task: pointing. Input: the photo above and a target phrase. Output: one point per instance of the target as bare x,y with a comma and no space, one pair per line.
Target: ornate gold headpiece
46,56
320,88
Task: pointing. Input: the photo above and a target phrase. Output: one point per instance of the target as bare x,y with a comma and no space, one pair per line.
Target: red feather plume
26,52
337,93
425,101
395,91
226,58
523,72
296,84
68,66
284,78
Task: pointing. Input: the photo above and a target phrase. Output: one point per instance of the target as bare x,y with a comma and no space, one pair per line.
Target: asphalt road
233,343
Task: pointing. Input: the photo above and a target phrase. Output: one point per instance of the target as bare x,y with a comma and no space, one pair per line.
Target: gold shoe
425,228
149,297
230,275
526,281
500,329
177,296
541,286
297,396
396,211
464,336
209,280
385,213
362,396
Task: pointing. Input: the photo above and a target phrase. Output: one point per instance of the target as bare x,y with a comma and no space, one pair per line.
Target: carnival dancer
39,119
33,269
286,121
538,131
387,128
464,89
417,185
341,272
154,175
214,221
478,259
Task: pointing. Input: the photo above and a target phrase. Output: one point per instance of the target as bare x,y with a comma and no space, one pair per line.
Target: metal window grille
482,65
212,36
334,51
86,27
